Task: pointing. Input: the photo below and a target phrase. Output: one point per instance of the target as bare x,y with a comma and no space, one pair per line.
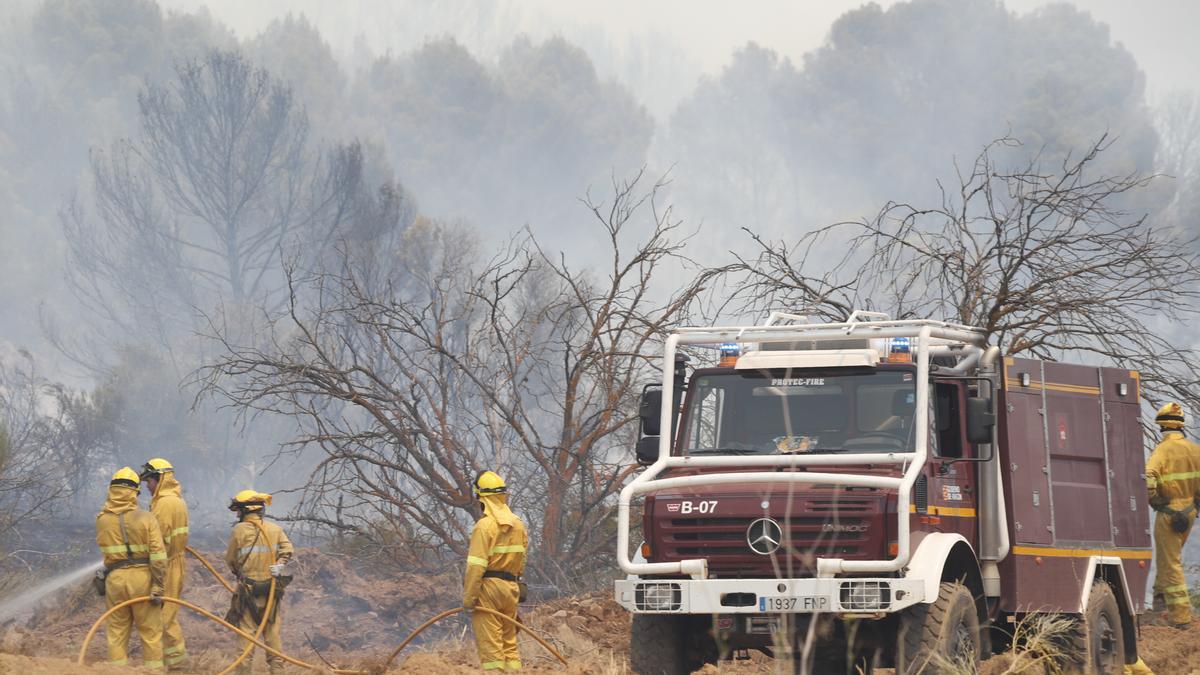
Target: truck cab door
952,482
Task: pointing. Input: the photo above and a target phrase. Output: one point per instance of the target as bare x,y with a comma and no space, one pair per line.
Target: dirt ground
335,616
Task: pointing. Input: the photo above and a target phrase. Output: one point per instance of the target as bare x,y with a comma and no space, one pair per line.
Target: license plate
811,603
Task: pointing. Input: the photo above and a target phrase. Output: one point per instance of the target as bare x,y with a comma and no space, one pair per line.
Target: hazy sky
1160,33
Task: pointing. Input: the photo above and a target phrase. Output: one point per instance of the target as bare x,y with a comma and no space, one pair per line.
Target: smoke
497,116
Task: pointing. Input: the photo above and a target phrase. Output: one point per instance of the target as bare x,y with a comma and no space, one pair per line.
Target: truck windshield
783,412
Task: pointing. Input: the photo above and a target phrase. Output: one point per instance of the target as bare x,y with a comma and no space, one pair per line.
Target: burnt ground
337,613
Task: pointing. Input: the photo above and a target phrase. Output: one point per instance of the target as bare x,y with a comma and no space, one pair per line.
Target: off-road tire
1097,645
939,637
664,644
836,660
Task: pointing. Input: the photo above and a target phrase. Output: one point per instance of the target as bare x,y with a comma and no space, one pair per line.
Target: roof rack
860,324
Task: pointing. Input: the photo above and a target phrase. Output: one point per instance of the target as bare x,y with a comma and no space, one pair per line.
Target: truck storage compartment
1072,450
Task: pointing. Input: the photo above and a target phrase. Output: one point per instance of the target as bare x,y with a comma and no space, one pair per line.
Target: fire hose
255,641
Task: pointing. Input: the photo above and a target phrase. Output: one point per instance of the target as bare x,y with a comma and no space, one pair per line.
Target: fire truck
880,493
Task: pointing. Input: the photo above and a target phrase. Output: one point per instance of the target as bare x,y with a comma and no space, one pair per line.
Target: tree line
273,263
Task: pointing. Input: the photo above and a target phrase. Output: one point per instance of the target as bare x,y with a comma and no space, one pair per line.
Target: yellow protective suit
249,556
132,581
497,544
171,512
1173,479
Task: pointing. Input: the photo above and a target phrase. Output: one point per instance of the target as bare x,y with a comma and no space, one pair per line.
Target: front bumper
772,596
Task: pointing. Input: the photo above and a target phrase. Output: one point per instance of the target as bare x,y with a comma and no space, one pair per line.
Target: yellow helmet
249,500
489,483
1170,416
125,477
156,467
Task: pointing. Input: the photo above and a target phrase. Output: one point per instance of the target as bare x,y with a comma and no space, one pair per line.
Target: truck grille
840,528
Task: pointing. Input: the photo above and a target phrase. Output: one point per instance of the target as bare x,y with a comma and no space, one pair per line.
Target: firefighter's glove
156,599
277,570
1159,502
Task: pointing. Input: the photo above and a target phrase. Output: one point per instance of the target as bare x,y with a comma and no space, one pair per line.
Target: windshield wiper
724,451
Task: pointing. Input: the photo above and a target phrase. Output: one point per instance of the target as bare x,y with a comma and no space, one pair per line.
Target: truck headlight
859,596
658,597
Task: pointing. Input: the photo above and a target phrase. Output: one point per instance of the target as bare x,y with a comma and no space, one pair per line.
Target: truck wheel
942,637
661,644
1097,643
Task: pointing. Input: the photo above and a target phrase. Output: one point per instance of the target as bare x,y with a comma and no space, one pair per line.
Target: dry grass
1039,646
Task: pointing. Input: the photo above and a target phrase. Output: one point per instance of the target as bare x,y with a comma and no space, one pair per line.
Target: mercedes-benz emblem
764,536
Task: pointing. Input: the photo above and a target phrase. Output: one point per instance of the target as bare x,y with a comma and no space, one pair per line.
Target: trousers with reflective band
172,631
495,638
125,584
246,622
1170,581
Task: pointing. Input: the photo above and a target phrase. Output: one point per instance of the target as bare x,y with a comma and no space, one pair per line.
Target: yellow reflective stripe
1124,554
173,649
152,664
492,665
120,548
1151,481
253,549
1178,600
1177,588
157,556
176,659
472,560
119,662
1182,475
512,665
177,531
935,510
512,548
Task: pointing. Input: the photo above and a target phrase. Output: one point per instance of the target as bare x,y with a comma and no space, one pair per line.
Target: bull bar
931,337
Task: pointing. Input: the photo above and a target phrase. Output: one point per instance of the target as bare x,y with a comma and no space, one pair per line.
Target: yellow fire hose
210,568
255,641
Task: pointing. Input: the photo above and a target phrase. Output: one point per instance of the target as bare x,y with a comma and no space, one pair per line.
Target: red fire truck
881,493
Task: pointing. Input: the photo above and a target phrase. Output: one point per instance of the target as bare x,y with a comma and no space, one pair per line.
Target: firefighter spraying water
135,565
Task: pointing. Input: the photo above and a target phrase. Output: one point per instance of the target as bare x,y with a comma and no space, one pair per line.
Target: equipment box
1071,441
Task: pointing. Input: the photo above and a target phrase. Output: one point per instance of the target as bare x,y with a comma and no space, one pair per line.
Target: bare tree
192,217
203,206
1178,122
31,475
413,380
1046,262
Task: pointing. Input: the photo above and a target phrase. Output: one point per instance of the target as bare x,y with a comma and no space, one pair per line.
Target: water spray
24,601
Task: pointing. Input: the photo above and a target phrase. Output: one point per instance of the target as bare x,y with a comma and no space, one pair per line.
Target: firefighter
495,562
135,563
1173,487
168,507
258,552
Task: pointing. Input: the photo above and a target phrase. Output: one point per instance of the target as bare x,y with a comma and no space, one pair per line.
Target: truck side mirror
980,420
650,412
647,450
